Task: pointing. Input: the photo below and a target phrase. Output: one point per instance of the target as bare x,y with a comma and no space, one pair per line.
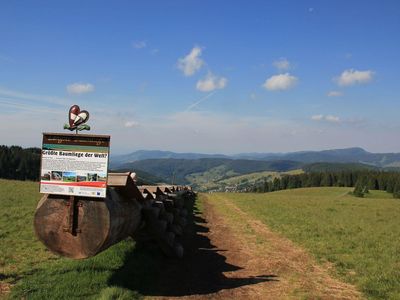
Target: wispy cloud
139,44
351,77
211,82
280,82
192,62
131,124
4,92
335,94
281,64
80,88
317,117
213,132
331,118
327,118
19,106
27,115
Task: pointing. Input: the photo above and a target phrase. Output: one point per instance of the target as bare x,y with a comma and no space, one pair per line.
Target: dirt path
232,256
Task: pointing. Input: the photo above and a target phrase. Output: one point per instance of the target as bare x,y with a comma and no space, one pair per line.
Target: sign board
74,164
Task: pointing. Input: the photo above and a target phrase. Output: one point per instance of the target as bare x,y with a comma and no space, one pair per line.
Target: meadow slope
304,243
357,238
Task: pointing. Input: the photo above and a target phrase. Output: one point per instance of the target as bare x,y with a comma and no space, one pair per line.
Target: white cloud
333,119
317,117
192,62
335,94
327,118
282,64
211,83
352,77
280,82
131,124
80,88
139,44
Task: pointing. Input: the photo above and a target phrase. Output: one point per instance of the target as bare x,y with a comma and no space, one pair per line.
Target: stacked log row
165,218
81,227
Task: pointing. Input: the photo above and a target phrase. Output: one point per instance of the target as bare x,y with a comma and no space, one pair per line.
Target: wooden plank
117,179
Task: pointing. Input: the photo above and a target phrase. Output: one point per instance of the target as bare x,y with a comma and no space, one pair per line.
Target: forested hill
176,170
18,163
323,167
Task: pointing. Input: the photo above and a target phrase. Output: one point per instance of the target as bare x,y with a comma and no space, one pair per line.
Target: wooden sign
74,164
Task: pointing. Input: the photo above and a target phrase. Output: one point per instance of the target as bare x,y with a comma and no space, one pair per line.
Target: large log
82,227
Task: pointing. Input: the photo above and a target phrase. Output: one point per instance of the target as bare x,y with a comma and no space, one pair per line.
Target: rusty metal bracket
72,216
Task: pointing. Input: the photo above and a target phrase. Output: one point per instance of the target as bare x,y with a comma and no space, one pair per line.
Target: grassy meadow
358,236
27,268
208,180
253,177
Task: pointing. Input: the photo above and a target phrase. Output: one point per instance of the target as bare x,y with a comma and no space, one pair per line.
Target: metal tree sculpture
77,119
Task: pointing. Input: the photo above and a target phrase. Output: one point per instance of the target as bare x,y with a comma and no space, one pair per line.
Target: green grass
18,201
359,236
124,271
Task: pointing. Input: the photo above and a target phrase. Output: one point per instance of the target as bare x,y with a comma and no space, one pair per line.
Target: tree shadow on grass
200,271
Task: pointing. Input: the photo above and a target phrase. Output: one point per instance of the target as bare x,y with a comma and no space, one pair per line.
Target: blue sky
204,76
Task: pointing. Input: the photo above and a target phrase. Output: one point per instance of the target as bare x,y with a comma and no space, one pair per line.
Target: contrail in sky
9,102
199,101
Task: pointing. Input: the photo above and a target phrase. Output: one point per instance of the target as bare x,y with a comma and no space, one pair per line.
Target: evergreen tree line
363,180
18,163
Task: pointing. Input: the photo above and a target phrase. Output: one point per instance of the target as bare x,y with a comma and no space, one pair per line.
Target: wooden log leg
72,216
167,217
175,228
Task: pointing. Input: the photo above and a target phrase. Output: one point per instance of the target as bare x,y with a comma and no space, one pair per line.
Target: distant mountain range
199,169
118,160
348,155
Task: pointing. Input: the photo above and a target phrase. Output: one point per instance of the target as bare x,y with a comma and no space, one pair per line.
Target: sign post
72,164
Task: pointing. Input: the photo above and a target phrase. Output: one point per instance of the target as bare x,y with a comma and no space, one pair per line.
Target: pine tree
396,190
359,189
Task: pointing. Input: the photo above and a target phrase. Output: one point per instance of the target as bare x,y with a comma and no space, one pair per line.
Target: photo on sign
56,175
69,176
81,177
101,177
92,177
46,175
